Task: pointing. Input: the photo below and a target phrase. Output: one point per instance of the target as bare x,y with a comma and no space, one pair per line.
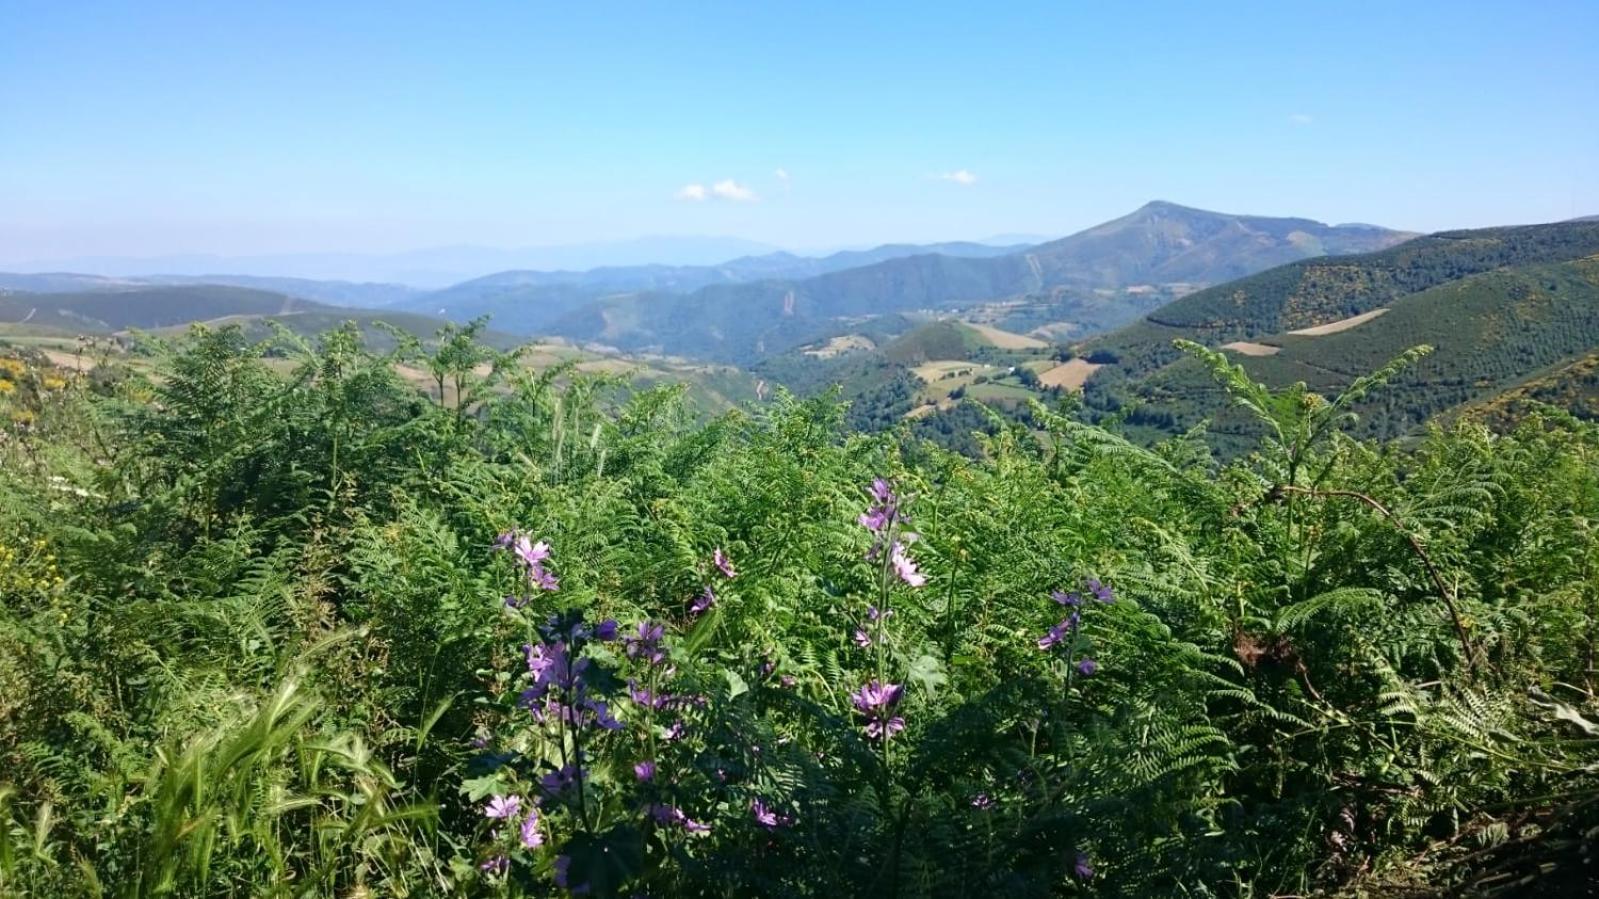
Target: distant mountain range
340,293
427,268
1098,278
755,305
535,301
1513,313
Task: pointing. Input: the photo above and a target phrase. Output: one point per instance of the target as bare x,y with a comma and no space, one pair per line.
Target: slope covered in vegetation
1499,305
307,631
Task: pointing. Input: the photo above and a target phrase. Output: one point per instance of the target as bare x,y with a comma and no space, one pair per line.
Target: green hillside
923,375
1498,306
1317,291
144,307
375,326
1570,387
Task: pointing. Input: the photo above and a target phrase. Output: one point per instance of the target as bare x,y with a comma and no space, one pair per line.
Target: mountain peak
1165,206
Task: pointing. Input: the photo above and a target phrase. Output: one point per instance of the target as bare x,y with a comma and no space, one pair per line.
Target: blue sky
148,128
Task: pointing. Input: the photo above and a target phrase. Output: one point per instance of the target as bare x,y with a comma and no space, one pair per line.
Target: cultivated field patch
1006,340
1245,348
1070,374
1342,324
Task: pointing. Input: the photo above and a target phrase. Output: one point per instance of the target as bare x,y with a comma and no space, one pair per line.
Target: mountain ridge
1159,247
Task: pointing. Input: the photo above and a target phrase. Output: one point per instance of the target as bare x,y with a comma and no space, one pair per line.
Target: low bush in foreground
301,629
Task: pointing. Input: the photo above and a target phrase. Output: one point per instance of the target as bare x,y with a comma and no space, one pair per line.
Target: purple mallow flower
766,816
982,801
644,771
560,779
502,807
876,701
671,814
645,643
1098,590
531,838
645,698
875,519
495,865
543,579
531,557
1066,599
884,510
1087,667
602,714
1083,868
703,602
1058,633
723,563
606,630
552,667
861,638
905,566
881,490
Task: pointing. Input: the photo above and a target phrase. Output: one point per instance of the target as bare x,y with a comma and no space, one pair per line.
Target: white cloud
960,176
782,174
728,189
1300,118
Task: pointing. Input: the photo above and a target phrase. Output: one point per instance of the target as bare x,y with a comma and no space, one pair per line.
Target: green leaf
927,672
735,684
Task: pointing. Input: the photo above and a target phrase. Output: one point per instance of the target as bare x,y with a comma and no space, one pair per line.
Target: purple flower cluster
561,779
559,691
530,557
876,701
884,512
506,809
1068,626
883,517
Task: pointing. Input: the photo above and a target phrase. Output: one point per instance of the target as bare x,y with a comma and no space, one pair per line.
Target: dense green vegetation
307,630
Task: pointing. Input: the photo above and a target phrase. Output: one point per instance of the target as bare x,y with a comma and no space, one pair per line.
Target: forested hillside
1500,306
275,621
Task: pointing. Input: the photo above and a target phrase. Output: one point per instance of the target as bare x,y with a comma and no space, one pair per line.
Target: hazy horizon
151,130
